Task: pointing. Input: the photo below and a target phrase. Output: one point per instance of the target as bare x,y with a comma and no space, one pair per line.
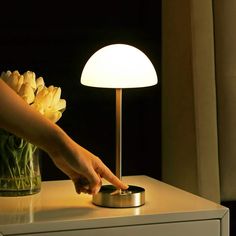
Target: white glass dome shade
119,66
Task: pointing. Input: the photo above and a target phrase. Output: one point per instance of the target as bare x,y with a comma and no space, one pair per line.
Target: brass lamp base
109,196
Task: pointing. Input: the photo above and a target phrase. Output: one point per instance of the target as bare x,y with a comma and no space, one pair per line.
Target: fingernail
126,186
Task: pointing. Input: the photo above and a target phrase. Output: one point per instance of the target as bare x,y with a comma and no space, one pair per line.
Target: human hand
85,169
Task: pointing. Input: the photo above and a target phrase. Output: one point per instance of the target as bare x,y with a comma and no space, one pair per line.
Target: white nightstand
57,210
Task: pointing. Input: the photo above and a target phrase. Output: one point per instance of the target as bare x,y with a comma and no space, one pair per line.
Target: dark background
55,40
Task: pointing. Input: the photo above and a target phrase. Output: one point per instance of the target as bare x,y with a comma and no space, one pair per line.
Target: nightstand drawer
193,228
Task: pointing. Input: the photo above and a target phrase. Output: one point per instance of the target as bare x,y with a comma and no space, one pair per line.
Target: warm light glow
119,66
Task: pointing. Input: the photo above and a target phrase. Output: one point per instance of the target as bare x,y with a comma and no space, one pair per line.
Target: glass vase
19,166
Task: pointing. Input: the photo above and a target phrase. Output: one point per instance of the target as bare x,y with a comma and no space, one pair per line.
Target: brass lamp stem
109,195
119,133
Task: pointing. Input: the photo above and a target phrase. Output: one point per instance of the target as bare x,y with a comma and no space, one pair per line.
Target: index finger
110,177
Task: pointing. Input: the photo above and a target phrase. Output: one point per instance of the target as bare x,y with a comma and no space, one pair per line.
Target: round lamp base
109,196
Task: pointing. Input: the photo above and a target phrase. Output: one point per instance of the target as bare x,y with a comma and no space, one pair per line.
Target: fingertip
126,186
118,183
122,185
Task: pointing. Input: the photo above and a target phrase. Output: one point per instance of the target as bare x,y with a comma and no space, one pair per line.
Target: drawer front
193,228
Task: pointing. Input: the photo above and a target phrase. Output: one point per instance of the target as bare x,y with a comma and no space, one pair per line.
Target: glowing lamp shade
119,66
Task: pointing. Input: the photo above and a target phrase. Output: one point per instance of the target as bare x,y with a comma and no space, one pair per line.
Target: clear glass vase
19,166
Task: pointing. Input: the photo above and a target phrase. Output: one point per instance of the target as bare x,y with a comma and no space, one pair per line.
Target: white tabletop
59,207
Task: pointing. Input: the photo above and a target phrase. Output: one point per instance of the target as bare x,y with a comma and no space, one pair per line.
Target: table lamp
119,66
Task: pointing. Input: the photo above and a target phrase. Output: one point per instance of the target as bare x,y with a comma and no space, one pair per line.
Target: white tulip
29,77
53,116
38,107
11,78
56,94
61,105
5,75
44,97
39,84
20,82
27,93
48,103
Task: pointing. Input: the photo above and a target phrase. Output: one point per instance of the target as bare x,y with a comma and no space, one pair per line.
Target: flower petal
40,82
38,107
56,96
29,77
5,75
53,116
27,93
61,105
44,97
20,82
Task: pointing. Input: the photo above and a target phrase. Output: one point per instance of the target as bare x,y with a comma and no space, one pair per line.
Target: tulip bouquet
19,168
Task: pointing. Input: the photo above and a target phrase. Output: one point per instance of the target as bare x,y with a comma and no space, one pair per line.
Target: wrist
57,140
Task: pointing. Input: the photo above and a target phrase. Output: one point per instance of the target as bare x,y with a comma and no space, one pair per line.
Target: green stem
16,163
